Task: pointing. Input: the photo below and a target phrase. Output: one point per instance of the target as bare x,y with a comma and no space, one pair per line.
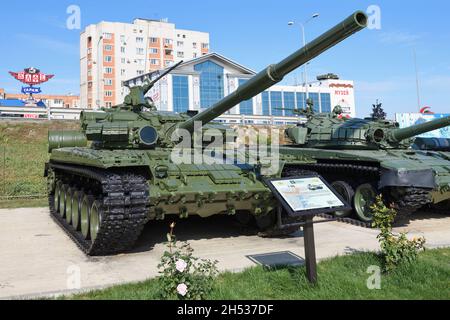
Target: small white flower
181,265
182,289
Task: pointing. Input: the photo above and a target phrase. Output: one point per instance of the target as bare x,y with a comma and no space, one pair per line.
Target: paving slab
37,258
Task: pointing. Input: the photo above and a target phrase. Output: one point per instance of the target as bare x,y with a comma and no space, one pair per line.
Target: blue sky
255,34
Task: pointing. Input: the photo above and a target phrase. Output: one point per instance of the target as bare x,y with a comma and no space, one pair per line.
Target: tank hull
164,189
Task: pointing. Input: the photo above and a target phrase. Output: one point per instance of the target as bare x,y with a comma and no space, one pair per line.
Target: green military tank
366,157
102,194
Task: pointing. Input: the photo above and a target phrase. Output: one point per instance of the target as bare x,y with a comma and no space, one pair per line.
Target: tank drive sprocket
120,200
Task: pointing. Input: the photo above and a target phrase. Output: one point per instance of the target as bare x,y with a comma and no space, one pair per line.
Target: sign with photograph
307,195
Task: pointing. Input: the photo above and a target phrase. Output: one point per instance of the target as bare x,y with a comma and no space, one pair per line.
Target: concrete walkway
37,258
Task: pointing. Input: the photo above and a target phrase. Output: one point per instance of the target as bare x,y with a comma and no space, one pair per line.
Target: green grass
23,203
23,153
339,278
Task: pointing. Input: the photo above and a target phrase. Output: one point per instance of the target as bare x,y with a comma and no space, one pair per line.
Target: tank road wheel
56,197
77,197
347,193
96,218
86,206
69,204
62,200
365,196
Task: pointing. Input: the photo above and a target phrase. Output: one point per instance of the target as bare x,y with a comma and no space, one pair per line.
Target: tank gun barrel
406,133
146,88
275,73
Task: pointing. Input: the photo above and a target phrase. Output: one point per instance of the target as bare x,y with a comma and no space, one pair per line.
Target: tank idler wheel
77,197
86,206
56,197
365,196
62,200
96,218
347,193
69,204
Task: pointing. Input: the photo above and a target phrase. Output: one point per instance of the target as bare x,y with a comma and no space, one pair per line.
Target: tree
378,112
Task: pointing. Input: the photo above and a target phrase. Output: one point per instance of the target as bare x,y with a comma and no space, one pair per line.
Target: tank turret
331,131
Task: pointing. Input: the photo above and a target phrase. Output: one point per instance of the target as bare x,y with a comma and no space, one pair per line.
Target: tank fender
408,178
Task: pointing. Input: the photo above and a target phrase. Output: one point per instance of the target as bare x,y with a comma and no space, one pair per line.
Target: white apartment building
112,52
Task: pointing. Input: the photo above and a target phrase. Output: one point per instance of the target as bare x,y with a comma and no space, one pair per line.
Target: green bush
184,276
395,249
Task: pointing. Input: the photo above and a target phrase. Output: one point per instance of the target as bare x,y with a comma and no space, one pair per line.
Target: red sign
31,116
31,76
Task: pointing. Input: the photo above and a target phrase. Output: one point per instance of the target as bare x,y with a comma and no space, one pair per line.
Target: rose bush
395,249
184,276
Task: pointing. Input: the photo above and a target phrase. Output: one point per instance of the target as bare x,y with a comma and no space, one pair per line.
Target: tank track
410,201
124,197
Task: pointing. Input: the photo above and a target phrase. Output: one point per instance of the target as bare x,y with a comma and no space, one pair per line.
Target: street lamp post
302,26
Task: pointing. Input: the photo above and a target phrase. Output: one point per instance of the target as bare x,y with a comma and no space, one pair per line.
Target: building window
266,103
180,43
108,82
325,102
140,72
154,62
205,46
194,45
108,47
168,52
140,51
168,63
58,101
122,38
122,72
122,60
107,36
108,93
89,51
246,107
122,49
108,104
108,70
153,40
140,62
139,40
301,101
194,55
108,58
180,93
315,99
168,42
289,104
211,83
180,54
276,103
154,51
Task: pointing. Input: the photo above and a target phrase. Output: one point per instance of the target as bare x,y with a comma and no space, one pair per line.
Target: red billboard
31,76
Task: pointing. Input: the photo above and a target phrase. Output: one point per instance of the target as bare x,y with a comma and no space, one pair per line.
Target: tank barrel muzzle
402,134
275,73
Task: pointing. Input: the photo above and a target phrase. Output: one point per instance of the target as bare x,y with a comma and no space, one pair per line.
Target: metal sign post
310,250
301,199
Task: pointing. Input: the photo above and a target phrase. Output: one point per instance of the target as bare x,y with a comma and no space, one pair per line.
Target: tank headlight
148,136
